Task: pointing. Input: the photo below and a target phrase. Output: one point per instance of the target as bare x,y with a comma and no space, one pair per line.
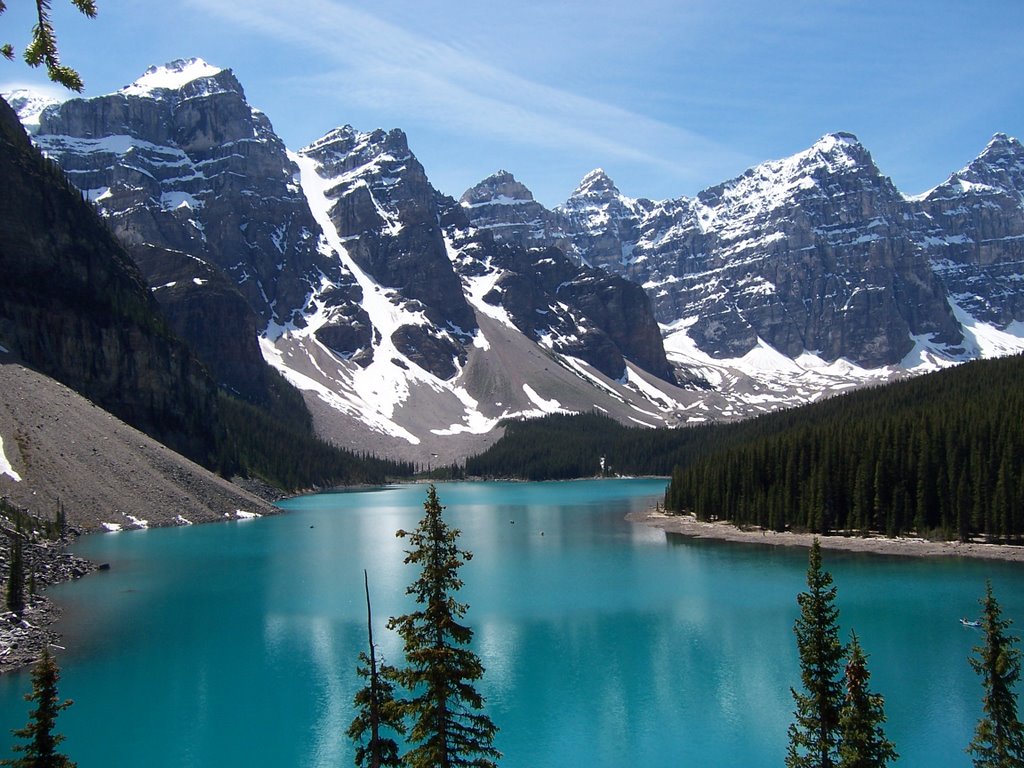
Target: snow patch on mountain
29,104
545,405
374,393
172,76
763,379
5,465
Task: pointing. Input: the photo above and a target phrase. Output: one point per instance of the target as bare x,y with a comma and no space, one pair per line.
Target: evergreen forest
938,455
287,455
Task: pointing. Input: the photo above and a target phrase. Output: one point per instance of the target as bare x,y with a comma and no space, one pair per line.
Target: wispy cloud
362,58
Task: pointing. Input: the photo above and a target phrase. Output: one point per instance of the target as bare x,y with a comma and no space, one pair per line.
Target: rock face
809,254
187,173
74,306
971,228
602,222
506,209
386,212
818,252
181,160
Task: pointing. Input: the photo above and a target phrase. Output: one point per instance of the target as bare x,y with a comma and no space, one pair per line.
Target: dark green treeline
939,455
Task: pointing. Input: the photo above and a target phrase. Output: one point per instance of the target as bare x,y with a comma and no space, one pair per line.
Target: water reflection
605,644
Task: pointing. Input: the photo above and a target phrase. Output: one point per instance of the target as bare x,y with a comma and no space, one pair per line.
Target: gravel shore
688,525
68,455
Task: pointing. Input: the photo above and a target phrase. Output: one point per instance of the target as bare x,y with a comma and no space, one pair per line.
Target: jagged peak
500,186
837,139
343,133
171,76
999,167
839,150
1002,144
597,182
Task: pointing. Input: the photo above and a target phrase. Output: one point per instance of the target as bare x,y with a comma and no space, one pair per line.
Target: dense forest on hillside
254,443
940,455
563,446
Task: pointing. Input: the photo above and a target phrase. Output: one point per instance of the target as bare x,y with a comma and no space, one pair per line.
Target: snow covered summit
171,76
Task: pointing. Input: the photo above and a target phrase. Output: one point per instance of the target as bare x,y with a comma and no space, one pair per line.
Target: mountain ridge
799,277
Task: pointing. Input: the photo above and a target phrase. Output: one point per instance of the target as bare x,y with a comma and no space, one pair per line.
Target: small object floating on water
969,623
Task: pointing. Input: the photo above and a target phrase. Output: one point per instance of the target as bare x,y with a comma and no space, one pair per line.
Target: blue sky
668,96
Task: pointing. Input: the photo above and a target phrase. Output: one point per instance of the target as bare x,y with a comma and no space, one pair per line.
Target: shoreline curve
689,526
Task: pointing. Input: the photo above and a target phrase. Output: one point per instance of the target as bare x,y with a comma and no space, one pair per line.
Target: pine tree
376,706
814,735
43,48
448,727
862,743
999,736
40,751
15,596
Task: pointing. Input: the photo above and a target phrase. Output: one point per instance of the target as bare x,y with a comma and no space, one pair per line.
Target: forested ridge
940,455
564,446
288,455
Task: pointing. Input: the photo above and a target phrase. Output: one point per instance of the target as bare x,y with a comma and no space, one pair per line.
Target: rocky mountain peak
499,188
176,75
838,153
596,184
1000,167
504,207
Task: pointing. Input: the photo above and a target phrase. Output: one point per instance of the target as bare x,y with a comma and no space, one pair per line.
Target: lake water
606,644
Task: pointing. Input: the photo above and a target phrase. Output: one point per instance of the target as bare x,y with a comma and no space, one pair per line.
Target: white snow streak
5,465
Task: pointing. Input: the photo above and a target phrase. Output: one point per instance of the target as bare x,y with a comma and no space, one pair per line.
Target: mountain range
414,323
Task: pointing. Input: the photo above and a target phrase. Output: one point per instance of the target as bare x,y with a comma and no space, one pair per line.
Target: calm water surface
606,645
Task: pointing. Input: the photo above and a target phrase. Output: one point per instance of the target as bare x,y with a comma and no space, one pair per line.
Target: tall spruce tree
40,749
448,725
375,706
862,742
999,736
814,734
15,594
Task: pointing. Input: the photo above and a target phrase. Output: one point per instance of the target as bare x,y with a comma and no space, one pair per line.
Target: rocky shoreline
23,636
688,525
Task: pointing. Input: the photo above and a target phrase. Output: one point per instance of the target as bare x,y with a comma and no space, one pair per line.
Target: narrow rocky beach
688,525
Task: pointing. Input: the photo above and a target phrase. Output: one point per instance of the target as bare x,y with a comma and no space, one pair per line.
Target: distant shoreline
688,525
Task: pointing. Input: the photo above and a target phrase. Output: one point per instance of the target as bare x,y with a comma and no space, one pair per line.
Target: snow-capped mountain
410,333
972,231
818,257
414,323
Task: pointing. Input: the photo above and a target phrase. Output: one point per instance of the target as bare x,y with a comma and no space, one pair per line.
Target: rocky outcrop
186,172
505,208
810,253
971,228
74,306
179,159
387,213
603,224
815,253
585,313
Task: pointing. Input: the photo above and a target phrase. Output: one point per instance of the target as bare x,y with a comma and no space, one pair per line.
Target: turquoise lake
606,644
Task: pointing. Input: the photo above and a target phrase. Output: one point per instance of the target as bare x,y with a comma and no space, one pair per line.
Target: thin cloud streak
390,69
